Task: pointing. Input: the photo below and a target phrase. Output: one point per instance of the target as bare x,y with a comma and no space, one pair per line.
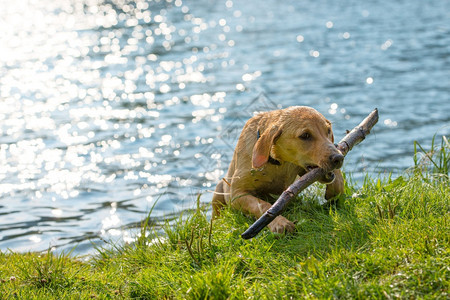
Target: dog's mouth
329,177
311,167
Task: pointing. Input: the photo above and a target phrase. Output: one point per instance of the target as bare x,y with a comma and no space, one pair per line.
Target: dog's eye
329,131
305,136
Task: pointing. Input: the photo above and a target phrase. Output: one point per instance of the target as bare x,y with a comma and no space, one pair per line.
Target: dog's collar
271,160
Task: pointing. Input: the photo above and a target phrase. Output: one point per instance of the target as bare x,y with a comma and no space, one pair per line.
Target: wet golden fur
273,149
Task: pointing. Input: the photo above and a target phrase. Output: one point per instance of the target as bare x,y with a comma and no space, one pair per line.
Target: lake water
108,107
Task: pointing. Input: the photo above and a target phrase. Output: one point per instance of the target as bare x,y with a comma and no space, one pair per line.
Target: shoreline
387,238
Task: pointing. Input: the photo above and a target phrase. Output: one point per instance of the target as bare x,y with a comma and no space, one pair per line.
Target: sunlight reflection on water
107,108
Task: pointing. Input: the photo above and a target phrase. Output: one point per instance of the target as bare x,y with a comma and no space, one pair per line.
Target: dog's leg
335,188
218,200
256,207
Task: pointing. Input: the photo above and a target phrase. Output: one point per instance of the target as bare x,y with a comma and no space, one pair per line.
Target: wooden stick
354,137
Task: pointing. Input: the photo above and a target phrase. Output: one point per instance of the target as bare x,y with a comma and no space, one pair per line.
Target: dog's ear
332,134
261,150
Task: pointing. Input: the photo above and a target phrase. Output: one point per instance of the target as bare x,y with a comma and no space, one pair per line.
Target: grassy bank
387,239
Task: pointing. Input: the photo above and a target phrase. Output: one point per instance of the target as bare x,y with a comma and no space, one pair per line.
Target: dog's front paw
281,225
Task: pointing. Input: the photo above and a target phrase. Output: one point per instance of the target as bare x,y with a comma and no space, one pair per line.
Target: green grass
387,239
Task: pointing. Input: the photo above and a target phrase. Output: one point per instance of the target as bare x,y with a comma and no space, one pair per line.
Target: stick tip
247,235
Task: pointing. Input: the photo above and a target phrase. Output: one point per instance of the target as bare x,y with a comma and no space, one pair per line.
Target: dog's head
300,135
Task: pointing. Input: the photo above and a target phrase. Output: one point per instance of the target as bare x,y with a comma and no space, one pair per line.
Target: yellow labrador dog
273,149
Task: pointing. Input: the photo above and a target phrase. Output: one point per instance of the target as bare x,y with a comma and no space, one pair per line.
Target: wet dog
273,149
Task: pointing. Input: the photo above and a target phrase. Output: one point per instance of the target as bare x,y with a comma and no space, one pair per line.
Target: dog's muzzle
336,160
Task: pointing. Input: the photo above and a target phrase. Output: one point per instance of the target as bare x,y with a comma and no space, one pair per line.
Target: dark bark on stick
354,137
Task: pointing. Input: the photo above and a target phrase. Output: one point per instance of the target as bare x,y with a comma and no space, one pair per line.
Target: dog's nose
336,160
